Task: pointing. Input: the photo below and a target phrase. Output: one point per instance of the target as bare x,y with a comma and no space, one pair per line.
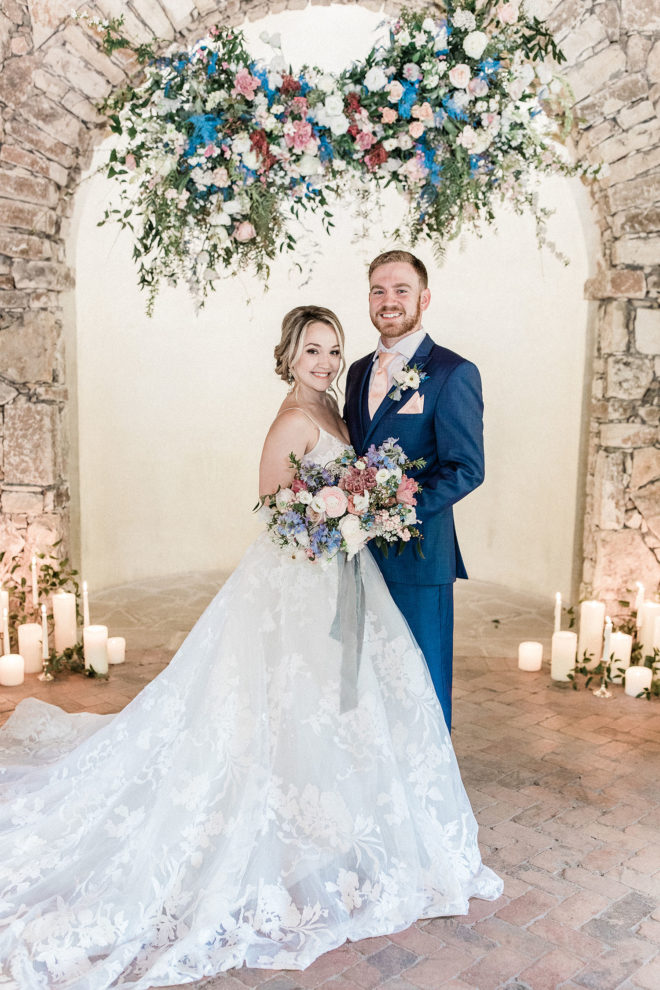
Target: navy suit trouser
429,611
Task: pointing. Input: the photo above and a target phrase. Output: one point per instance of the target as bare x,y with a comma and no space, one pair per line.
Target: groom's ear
425,299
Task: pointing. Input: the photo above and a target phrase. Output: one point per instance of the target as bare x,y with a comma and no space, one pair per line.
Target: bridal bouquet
340,506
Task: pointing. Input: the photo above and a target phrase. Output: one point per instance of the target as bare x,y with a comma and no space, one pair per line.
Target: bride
234,812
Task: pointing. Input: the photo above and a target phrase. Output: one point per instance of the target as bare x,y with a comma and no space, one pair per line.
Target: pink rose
364,140
478,87
395,91
405,493
507,12
423,112
298,486
245,231
459,76
334,501
416,129
130,161
388,114
302,132
245,84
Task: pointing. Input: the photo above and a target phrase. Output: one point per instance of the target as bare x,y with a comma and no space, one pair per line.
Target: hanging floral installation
218,152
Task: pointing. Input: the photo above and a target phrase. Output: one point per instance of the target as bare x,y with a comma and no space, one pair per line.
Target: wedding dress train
236,811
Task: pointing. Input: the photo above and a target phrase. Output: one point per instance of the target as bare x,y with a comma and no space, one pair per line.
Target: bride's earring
291,380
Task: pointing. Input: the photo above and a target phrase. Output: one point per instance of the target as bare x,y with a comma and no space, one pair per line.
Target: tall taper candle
557,611
639,601
85,605
45,652
35,589
5,630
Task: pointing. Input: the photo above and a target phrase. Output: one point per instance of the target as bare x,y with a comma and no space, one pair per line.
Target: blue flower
489,66
260,73
213,61
205,131
326,153
456,113
408,99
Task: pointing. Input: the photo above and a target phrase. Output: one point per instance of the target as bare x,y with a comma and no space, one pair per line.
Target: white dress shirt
404,350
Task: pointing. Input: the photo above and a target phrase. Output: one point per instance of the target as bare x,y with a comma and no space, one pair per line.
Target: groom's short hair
401,256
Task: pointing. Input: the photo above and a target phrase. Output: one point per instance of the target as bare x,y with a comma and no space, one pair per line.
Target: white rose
382,476
375,79
474,44
360,465
251,160
405,142
317,505
304,497
326,83
459,75
334,104
390,144
241,143
232,206
309,165
428,24
352,533
339,125
361,503
283,498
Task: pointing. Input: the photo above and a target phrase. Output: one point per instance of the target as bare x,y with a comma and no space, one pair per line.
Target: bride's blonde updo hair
292,341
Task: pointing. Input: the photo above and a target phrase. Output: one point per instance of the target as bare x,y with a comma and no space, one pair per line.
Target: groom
441,421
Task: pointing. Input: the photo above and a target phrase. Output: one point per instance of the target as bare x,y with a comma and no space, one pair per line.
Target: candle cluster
33,654
598,643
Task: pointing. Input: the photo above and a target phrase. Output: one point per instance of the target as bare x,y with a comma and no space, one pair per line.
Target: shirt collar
406,346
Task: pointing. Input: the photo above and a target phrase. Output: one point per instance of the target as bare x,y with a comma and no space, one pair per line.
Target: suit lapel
363,396
419,358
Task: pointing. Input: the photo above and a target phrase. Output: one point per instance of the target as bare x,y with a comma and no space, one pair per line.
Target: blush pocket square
414,405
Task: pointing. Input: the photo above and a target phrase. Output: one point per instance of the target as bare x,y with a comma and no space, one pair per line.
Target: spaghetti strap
305,413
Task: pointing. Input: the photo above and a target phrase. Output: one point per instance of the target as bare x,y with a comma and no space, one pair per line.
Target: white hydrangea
464,19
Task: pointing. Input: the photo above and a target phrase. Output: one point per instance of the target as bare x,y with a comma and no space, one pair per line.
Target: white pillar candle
5,630
530,656
637,680
590,639
95,645
621,648
4,600
564,648
64,617
649,612
11,669
85,605
639,601
35,589
116,649
558,611
45,652
29,646
656,634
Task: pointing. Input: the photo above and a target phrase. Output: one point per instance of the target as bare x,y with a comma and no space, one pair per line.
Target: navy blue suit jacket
448,434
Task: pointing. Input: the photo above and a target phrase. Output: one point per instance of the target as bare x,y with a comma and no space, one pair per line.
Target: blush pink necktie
379,382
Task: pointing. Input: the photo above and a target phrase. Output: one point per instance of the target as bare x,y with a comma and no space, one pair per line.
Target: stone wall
52,72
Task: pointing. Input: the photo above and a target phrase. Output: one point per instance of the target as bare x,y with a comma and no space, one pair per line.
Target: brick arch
51,73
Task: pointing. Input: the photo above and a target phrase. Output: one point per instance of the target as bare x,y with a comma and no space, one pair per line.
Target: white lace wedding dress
236,811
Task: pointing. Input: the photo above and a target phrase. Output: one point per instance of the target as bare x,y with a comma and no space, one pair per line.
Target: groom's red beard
398,328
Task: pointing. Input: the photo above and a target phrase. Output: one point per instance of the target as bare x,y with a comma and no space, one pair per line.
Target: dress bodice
326,448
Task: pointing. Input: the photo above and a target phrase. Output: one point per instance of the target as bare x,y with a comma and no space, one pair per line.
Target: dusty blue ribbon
348,628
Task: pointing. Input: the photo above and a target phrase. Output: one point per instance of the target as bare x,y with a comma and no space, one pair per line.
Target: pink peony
416,129
245,231
388,114
334,501
302,133
405,493
364,140
298,485
459,76
245,84
353,481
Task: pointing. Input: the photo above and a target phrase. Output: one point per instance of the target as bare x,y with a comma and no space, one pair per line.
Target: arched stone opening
52,71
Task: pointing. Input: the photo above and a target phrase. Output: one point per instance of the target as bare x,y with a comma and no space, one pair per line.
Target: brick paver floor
566,788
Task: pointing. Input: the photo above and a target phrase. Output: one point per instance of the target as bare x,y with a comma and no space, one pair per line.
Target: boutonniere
406,378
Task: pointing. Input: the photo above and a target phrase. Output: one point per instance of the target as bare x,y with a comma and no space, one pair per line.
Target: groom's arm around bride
437,415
